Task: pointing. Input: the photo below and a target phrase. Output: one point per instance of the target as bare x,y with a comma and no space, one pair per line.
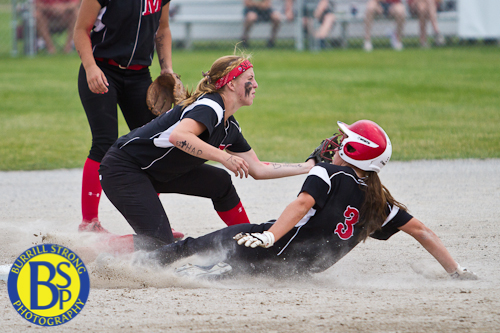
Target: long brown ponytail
374,209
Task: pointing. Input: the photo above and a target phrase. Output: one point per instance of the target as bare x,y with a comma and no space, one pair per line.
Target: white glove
462,273
265,239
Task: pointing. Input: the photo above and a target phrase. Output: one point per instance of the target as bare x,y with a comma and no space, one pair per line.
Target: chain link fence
31,27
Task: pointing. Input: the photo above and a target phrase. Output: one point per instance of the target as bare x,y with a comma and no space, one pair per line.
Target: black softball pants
298,259
127,88
135,194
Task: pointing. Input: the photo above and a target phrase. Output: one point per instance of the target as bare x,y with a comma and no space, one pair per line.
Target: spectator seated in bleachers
387,8
320,10
426,10
260,11
54,16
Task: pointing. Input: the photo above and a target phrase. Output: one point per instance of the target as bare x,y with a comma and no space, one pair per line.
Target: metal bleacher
211,20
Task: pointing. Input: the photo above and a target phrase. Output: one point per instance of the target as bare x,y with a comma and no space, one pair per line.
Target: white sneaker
368,47
396,44
462,273
439,40
210,272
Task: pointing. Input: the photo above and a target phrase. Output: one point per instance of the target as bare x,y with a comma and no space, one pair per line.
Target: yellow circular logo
48,285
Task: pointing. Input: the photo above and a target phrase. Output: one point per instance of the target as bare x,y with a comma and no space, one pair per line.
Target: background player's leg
91,196
101,111
132,101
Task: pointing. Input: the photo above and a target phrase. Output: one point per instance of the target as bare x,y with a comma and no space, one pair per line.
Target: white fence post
299,35
13,26
31,34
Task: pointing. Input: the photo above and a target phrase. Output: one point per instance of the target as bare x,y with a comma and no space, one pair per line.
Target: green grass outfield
434,104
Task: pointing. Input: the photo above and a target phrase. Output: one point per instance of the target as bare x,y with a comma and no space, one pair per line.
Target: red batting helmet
365,145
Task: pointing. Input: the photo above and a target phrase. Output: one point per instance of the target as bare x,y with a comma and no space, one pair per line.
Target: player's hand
237,165
265,239
462,273
96,80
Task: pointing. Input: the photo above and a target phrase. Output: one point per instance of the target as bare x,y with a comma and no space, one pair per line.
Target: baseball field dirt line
391,286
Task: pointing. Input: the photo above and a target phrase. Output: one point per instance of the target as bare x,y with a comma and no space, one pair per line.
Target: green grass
5,28
434,104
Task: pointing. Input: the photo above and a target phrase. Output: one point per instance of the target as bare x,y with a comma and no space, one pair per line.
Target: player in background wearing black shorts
116,42
260,11
168,155
340,204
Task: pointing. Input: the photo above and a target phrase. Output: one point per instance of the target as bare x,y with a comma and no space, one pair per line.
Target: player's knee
224,194
223,178
399,11
371,7
422,10
329,18
251,17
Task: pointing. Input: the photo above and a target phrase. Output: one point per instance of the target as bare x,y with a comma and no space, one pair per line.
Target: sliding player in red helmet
341,203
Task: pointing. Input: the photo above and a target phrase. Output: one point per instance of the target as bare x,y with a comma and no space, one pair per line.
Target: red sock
237,215
91,190
121,244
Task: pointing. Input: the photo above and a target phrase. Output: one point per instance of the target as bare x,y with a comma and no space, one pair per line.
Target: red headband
237,71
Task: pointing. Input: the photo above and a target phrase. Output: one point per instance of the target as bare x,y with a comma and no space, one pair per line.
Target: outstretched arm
431,242
270,170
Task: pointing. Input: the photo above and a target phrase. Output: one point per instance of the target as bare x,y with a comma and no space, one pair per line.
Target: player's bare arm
431,242
270,170
87,16
163,42
292,214
185,137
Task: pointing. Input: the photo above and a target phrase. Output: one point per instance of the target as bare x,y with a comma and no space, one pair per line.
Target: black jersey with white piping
150,148
124,30
330,229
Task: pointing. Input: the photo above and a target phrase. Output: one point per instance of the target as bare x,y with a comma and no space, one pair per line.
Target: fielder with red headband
340,204
168,155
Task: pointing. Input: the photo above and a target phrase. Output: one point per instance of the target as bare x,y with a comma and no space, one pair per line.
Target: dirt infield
392,286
